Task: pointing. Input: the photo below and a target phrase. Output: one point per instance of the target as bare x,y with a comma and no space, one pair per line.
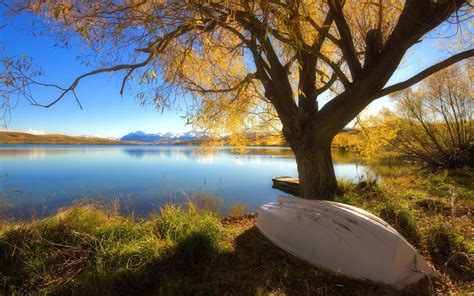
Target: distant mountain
140,136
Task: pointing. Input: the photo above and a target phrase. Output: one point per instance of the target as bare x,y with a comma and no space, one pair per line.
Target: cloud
35,132
29,131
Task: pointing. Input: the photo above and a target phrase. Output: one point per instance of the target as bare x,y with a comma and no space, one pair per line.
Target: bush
196,235
447,247
403,220
436,127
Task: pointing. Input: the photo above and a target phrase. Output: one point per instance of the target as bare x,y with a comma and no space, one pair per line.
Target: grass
190,250
449,248
403,219
87,250
433,211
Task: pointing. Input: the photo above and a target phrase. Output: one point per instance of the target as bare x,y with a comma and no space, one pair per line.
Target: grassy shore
190,250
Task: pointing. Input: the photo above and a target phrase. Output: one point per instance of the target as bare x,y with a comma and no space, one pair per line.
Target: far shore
20,138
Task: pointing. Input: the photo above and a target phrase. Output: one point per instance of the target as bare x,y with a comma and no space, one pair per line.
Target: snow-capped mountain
161,137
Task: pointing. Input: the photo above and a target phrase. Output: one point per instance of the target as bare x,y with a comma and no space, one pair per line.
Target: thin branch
98,71
425,73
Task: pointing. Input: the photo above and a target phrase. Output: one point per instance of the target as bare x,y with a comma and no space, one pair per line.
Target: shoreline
184,249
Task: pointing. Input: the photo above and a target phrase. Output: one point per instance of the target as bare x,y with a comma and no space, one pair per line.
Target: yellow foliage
239,141
347,141
373,139
377,135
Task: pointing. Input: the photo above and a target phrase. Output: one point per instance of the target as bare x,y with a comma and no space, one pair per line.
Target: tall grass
195,235
63,251
403,219
449,249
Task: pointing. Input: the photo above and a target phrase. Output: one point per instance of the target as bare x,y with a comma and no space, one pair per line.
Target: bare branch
72,87
425,73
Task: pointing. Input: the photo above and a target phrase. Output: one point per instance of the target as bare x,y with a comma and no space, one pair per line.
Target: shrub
437,119
447,247
402,219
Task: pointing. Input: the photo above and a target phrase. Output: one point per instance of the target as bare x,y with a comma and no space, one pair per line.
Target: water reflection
43,151
152,175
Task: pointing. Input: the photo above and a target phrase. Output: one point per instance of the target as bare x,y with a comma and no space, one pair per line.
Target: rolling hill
8,137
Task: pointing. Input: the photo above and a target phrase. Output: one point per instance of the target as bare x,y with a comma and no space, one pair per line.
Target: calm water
49,176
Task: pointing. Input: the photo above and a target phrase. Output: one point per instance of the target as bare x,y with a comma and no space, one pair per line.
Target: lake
41,178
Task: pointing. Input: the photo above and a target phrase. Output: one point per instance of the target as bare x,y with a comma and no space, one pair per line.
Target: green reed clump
195,234
350,198
448,248
89,248
402,219
346,185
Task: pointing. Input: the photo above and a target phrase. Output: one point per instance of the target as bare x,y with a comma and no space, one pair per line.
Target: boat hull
343,239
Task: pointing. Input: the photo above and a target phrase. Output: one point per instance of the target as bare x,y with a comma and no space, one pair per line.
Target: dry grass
25,138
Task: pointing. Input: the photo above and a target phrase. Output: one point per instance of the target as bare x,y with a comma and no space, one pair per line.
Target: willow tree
254,59
437,119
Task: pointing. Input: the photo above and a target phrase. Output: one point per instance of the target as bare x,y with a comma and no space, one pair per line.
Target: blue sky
106,113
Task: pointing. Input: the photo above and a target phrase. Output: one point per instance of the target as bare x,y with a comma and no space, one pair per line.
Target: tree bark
315,169
311,144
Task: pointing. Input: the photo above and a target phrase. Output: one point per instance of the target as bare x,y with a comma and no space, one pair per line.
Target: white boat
343,239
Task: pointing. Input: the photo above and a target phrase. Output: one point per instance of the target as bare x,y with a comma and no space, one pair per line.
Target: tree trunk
315,170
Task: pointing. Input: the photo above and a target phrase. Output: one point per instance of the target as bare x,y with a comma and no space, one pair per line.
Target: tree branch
247,79
425,73
72,87
336,69
323,32
328,84
346,41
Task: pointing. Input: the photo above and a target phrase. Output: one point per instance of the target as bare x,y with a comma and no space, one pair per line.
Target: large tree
258,58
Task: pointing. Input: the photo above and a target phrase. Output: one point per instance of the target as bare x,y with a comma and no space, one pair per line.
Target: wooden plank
287,184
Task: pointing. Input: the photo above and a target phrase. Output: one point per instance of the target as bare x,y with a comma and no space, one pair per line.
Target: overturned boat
344,239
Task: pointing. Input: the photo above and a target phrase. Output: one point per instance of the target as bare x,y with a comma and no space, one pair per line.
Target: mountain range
140,136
